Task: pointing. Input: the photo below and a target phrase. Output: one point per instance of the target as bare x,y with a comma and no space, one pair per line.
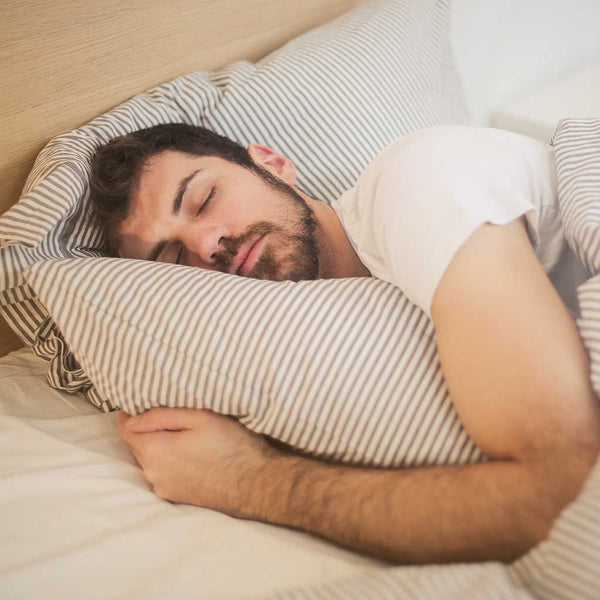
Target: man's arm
518,376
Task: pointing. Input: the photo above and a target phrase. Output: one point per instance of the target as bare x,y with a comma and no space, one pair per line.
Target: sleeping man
464,221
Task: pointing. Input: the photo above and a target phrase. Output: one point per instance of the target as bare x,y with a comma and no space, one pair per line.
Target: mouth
247,256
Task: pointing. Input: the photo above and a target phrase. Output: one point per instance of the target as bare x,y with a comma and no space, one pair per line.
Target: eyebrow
183,185
181,191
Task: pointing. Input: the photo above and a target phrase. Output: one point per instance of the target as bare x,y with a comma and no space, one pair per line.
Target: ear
278,164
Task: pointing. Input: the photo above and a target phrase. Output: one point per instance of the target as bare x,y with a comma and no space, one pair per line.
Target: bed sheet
79,520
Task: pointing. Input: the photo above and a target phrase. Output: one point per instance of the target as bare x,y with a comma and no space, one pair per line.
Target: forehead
165,170
162,174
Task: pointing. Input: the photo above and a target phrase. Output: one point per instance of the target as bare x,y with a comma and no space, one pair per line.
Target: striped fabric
487,581
340,369
330,100
577,147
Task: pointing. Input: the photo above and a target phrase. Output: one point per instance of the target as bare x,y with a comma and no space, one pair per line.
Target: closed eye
207,201
179,254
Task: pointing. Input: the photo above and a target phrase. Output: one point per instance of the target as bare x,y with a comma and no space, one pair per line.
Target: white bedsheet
79,521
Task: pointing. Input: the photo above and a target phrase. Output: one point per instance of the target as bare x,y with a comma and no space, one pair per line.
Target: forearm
489,511
495,510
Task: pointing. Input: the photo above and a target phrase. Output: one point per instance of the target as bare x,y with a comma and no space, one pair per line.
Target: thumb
160,419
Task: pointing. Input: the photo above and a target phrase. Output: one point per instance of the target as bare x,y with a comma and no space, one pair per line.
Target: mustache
231,246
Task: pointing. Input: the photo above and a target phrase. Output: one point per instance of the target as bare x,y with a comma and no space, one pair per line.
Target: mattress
79,519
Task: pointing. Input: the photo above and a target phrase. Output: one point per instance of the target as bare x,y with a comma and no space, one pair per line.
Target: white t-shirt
421,198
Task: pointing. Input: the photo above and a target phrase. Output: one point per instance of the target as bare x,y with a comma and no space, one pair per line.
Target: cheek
255,208
240,207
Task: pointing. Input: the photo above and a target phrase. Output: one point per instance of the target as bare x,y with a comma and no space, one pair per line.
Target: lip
243,254
251,257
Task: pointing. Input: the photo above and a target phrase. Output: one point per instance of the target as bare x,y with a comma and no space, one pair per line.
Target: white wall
506,48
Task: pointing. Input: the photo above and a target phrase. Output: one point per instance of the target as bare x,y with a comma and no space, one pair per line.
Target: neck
337,256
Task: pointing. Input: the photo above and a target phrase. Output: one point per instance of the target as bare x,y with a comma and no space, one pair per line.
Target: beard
292,250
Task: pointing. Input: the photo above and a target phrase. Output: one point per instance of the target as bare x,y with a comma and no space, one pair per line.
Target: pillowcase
330,100
342,369
577,148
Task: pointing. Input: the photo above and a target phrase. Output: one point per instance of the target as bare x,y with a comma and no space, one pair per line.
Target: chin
276,271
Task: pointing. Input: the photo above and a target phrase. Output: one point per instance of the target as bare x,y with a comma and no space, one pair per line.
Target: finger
160,419
152,446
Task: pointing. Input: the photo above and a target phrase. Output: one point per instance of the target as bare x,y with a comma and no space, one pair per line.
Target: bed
78,515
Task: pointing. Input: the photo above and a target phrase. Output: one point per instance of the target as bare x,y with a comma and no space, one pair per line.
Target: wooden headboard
63,62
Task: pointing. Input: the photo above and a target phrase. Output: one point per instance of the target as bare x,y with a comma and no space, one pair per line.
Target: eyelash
207,201
179,255
204,204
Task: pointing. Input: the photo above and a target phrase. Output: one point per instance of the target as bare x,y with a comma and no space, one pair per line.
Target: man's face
207,212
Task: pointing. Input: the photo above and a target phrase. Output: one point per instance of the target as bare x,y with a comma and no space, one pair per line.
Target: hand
196,456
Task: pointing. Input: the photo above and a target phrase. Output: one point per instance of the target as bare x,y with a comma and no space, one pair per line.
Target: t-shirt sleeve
430,192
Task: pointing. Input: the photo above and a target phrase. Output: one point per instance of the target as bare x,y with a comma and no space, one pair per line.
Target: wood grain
63,62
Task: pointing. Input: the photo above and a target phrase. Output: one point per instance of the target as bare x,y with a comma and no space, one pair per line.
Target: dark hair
117,167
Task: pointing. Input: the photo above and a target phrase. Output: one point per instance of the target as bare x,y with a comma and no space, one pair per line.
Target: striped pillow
343,369
577,147
330,100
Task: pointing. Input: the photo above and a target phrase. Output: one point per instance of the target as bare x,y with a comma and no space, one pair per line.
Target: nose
201,241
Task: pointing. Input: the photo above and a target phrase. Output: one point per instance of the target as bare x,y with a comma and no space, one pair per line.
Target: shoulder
445,154
450,168
429,191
